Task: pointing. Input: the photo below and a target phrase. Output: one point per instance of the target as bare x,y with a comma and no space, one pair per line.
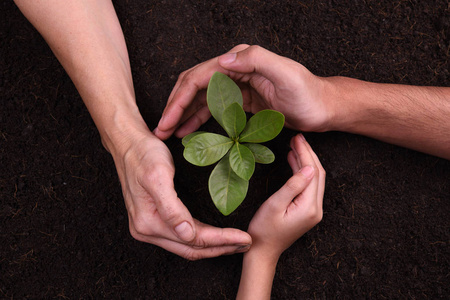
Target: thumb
292,188
171,210
255,59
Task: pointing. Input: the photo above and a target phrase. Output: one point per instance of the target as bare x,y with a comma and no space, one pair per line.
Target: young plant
228,182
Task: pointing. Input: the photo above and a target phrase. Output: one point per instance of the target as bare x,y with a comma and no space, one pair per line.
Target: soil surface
63,224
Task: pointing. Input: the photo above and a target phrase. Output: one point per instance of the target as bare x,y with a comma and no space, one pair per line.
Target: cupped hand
295,208
268,81
157,215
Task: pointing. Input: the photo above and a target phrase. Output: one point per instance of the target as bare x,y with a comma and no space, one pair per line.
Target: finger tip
185,231
301,137
162,135
227,59
243,248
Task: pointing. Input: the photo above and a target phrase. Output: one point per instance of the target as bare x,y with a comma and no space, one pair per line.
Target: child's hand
282,219
292,210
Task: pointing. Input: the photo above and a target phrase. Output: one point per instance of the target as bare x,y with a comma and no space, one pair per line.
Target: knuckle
169,214
242,46
315,215
255,50
155,175
141,227
191,255
322,172
182,74
293,184
296,182
189,78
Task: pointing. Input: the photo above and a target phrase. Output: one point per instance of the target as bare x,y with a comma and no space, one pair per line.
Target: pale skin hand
87,39
282,219
409,116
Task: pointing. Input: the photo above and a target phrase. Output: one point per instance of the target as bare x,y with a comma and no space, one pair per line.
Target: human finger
202,66
159,185
194,80
295,185
193,123
304,157
185,90
292,160
255,59
321,176
209,242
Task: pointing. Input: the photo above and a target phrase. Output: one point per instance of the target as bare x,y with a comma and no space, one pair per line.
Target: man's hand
157,215
268,81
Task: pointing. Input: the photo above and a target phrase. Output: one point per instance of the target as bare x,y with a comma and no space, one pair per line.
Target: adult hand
295,208
157,215
269,81
87,39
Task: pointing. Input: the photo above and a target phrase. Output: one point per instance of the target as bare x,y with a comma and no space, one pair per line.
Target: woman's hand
157,215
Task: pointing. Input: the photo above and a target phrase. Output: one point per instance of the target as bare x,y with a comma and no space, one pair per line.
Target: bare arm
410,116
257,276
87,39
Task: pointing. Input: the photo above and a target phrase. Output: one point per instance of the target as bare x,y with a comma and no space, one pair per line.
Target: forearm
409,116
258,271
87,39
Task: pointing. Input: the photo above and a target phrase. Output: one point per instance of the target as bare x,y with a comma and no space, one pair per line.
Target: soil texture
63,224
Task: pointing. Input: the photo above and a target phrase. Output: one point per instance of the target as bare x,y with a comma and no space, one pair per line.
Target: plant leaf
242,161
262,154
222,91
188,137
227,189
262,127
234,120
207,148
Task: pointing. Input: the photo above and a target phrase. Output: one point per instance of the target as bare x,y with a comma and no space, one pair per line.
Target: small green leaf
227,189
262,154
222,91
242,161
234,120
206,148
188,137
262,127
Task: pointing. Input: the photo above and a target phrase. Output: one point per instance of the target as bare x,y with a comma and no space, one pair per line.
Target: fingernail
242,248
185,231
227,59
307,171
302,137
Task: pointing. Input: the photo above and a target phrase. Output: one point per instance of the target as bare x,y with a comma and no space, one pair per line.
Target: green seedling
236,153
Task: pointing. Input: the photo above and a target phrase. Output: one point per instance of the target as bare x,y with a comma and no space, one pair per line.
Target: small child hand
292,210
282,219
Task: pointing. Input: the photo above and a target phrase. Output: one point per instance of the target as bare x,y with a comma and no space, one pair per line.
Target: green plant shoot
236,153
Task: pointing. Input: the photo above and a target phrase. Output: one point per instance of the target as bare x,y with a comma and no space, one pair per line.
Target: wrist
122,128
258,271
348,100
261,257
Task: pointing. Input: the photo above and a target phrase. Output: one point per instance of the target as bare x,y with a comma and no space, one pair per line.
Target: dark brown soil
63,224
